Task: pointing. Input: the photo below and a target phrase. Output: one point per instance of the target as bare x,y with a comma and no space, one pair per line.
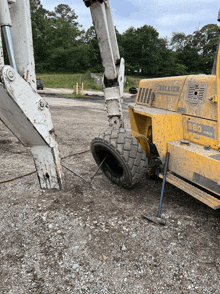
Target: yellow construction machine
179,115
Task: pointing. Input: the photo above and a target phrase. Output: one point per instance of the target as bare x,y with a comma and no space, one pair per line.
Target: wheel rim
111,163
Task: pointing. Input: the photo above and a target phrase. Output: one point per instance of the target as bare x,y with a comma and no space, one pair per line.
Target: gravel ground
94,240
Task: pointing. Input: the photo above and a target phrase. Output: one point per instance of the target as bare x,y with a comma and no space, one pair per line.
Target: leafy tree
147,54
55,36
197,51
65,13
206,41
190,57
93,52
167,63
39,24
62,34
178,41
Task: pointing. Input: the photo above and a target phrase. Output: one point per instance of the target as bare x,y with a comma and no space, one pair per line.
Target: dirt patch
94,240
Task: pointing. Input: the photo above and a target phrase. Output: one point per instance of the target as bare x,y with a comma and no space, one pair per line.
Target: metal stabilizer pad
156,220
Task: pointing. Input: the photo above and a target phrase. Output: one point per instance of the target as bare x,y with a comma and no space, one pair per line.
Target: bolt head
41,104
10,74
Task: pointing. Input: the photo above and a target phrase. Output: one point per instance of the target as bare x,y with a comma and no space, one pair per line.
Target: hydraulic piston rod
9,45
6,23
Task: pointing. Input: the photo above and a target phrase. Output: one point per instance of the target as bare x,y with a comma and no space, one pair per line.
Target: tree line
61,45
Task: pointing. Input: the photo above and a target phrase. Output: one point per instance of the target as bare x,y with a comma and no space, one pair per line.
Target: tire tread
130,152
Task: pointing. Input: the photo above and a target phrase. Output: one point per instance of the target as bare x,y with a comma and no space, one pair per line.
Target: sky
166,16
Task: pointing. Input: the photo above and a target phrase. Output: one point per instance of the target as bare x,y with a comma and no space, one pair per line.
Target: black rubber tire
126,162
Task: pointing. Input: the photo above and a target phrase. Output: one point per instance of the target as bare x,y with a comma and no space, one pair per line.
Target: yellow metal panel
200,131
166,125
196,164
139,121
195,96
166,128
218,90
164,91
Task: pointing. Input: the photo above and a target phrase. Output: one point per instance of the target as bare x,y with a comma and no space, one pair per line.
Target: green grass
69,81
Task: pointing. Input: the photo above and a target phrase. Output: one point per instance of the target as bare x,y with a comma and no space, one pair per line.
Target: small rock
104,257
75,266
98,286
123,248
59,232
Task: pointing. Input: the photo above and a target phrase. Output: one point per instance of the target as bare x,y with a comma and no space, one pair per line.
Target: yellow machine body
182,115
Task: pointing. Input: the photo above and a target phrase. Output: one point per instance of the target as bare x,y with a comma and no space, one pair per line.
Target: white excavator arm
22,110
113,82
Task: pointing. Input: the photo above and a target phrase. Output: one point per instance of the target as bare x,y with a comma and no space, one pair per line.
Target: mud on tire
126,162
